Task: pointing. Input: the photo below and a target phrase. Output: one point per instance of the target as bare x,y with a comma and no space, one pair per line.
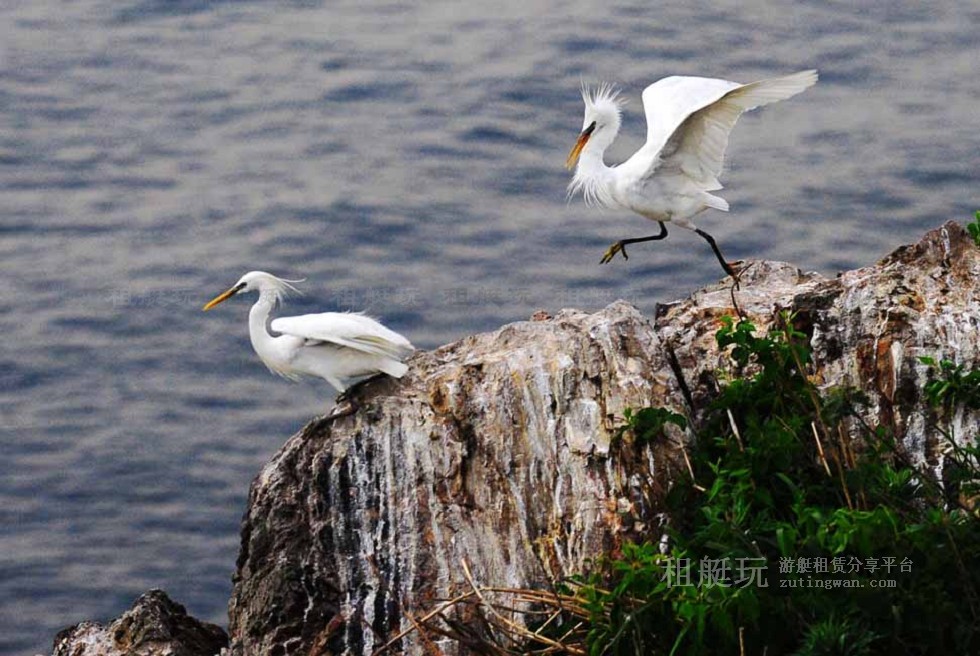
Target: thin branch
422,620
738,436
823,456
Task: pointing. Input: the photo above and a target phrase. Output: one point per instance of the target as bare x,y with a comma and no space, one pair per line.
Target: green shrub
779,490
974,228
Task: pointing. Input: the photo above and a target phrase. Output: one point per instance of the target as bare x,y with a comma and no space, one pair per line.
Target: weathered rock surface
154,626
868,328
498,449
492,449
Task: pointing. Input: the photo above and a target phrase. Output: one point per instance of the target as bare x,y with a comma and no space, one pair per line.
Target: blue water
407,159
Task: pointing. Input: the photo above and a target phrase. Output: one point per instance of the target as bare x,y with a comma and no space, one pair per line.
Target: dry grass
501,622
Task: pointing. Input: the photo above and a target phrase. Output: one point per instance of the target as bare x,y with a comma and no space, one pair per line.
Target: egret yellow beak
579,145
221,298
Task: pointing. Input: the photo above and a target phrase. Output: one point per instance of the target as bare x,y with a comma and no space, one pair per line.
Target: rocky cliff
154,626
497,451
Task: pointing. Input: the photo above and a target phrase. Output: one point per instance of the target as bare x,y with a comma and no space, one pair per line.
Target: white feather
697,146
342,348
689,120
351,330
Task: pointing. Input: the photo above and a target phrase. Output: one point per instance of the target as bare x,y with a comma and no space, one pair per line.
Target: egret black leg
346,403
724,265
620,246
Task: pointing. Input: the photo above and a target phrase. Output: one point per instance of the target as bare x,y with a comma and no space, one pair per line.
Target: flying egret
670,177
342,348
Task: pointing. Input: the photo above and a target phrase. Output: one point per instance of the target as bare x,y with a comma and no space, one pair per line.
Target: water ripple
407,159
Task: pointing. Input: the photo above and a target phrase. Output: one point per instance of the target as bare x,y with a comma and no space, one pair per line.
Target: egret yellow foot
618,247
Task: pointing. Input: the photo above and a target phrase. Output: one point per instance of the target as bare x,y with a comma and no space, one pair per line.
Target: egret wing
697,146
667,103
355,331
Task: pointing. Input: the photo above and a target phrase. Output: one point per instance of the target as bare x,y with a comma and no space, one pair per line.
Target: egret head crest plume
603,116
266,284
603,97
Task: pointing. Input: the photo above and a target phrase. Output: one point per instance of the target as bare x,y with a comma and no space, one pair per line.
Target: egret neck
265,345
592,176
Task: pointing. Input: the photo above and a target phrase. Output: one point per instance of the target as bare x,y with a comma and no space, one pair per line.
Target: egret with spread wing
342,348
670,178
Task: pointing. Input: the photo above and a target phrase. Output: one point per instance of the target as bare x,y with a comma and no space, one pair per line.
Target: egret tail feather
716,202
393,368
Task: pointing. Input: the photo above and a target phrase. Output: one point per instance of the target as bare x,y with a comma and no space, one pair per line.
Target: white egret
670,177
343,348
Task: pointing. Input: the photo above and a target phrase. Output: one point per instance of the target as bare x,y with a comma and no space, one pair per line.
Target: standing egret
341,347
670,177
